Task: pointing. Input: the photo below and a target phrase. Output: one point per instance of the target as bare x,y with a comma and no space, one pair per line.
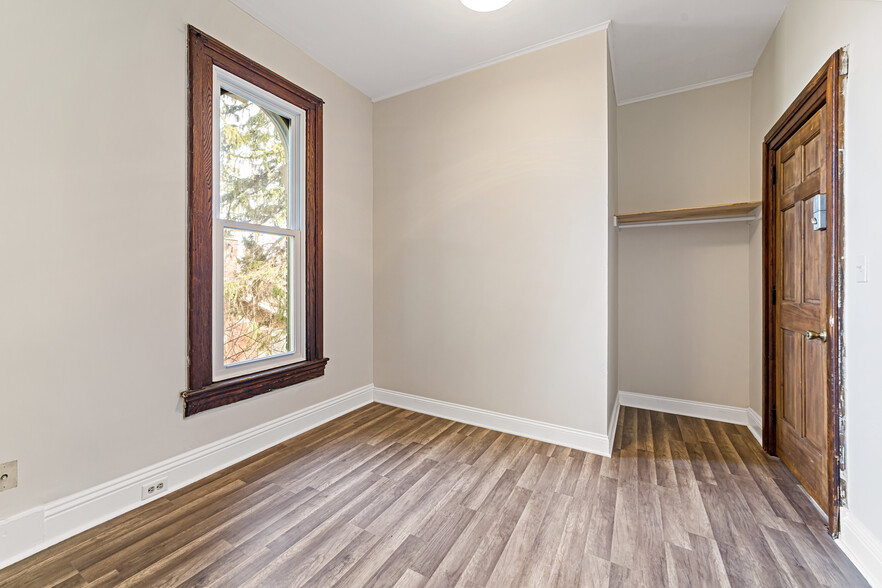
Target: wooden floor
388,497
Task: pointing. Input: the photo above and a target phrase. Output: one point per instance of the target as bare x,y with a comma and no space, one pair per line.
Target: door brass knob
810,335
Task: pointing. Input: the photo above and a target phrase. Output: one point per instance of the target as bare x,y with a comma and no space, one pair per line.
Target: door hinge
774,174
774,415
774,295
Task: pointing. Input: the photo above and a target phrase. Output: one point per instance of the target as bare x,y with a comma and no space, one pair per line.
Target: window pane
253,162
256,295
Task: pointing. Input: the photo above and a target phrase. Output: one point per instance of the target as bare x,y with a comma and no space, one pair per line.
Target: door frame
824,91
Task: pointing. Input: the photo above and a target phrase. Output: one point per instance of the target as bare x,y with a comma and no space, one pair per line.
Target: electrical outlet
154,488
8,475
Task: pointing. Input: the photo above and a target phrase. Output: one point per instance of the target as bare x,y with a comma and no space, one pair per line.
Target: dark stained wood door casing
802,379
802,385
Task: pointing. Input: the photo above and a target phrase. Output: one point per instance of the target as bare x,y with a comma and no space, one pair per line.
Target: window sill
243,387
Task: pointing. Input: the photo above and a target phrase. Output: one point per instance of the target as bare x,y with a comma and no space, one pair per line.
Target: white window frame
296,196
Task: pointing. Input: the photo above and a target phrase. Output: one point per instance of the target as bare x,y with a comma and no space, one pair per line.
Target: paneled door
802,307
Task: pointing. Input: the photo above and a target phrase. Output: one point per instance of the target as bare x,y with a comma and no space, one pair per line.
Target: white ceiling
386,47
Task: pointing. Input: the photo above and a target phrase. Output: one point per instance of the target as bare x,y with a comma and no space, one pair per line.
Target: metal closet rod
699,221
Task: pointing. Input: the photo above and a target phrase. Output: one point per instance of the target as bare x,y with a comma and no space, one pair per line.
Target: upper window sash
295,137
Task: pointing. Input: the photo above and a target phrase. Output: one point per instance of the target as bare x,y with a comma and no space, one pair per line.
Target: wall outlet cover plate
154,488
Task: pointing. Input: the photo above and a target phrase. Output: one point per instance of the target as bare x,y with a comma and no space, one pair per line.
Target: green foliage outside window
254,189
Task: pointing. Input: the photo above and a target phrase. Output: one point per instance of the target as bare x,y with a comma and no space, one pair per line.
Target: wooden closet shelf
700,213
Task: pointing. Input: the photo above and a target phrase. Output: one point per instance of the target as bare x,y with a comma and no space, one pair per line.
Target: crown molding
481,65
707,84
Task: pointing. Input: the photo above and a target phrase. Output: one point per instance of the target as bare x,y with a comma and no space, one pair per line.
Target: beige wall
94,166
809,32
755,315
612,200
686,149
490,250
683,294
683,312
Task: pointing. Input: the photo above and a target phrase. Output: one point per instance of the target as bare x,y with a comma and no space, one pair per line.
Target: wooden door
802,309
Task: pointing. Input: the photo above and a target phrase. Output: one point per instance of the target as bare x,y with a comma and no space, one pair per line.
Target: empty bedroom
440,293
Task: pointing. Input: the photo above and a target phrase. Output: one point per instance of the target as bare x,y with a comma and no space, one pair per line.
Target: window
258,287
255,297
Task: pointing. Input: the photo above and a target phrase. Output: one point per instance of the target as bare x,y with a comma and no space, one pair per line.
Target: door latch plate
819,212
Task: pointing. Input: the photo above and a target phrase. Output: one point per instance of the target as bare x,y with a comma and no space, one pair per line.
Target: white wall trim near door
703,410
680,90
541,431
36,529
692,408
862,547
755,424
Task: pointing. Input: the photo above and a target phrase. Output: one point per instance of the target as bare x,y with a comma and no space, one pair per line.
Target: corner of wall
612,243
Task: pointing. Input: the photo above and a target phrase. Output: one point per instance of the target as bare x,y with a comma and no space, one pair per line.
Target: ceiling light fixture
484,5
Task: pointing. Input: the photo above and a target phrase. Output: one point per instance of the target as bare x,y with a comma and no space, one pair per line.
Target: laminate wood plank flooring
388,497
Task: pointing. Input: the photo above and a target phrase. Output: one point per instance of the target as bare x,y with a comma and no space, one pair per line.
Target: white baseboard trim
36,529
614,423
703,410
557,434
755,424
692,408
862,548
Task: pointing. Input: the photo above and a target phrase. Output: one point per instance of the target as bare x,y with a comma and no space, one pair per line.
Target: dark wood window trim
203,392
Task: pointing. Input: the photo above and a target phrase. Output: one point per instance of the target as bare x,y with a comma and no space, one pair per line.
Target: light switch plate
861,269
8,475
